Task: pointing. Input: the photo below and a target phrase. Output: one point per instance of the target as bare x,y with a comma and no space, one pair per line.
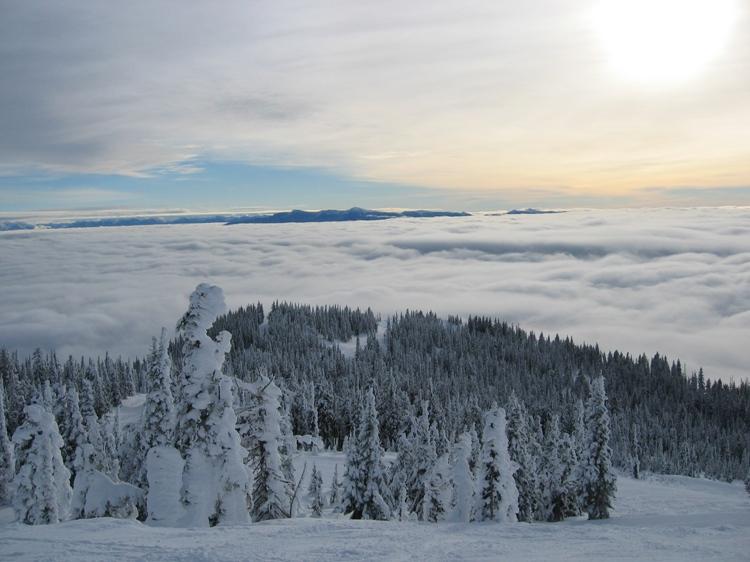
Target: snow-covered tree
92,426
158,416
416,458
272,491
600,482
497,495
215,481
462,501
519,446
7,456
402,512
438,491
335,496
41,487
365,489
72,430
315,492
635,450
551,472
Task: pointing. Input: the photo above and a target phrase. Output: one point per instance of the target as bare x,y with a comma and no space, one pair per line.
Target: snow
131,409
662,517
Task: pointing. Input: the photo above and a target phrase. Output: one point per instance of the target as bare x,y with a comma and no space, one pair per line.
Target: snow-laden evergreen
41,487
599,477
72,431
7,454
527,474
438,491
158,419
462,479
315,493
216,487
334,499
497,495
272,490
366,494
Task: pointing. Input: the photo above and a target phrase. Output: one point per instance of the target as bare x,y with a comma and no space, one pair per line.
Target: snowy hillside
660,518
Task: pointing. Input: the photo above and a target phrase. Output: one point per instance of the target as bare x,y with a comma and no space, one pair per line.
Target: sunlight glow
663,41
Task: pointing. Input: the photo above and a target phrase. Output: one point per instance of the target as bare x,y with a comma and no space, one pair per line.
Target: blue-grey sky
479,105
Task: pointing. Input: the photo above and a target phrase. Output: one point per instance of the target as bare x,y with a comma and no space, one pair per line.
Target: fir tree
599,478
41,486
7,456
497,495
335,496
519,447
205,433
72,430
159,409
462,500
315,492
365,491
437,491
635,450
272,492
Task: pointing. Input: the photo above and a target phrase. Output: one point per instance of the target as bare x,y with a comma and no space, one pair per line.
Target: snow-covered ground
660,518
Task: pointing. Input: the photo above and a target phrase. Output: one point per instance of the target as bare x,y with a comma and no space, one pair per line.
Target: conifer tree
315,491
635,450
552,472
599,478
497,495
72,430
365,489
7,456
159,409
272,492
402,506
335,497
205,432
519,447
437,491
462,501
41,487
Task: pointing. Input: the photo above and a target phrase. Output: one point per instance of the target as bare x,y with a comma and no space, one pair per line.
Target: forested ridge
681,423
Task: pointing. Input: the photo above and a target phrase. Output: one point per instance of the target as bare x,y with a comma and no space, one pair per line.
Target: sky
674,281
456,105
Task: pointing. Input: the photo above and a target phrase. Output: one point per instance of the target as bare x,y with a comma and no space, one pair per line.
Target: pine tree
599,478
41,487
519,447
497,495
635,450
272,492
92,427
205,433
462,501
437,491
7,456
402,507
365,491
335,497
159,410
315,491
552,472
72,430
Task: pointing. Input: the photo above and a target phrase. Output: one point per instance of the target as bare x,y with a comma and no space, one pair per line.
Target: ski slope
659,518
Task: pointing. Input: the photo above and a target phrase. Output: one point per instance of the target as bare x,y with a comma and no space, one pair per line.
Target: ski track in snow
660,518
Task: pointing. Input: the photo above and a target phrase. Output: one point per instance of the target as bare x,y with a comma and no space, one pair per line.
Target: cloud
673,281
490,95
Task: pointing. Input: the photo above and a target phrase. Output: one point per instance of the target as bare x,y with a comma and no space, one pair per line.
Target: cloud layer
673,281
485,95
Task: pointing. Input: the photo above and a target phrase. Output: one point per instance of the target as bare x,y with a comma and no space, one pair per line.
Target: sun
663,41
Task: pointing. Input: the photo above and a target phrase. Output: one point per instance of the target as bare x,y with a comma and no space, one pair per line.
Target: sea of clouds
676,281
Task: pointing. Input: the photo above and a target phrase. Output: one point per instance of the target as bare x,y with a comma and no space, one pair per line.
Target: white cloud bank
673,281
